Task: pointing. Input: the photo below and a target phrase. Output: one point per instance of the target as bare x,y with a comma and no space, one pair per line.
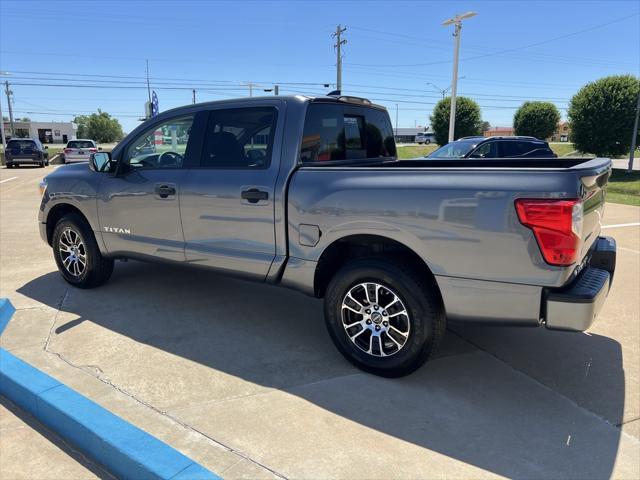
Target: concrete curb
125,450
6,312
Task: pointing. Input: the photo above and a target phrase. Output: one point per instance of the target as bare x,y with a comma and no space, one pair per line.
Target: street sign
154,104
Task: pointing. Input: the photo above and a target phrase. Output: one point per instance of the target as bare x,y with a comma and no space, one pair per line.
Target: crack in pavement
87,369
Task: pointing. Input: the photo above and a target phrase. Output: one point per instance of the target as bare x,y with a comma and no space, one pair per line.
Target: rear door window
509,149
346,132
239,138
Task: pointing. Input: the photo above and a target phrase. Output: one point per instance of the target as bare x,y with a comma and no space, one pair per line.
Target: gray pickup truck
308,193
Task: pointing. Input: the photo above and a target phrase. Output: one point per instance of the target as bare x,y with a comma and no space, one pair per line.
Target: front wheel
77,254
385,318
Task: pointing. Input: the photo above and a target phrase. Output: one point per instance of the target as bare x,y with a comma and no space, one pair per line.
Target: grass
624,187
412,151
562,149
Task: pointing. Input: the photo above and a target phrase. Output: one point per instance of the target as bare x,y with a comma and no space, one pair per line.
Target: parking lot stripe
621,225
8,179
122,448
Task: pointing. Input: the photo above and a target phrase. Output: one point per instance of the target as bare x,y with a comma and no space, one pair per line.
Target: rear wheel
385,318
77,254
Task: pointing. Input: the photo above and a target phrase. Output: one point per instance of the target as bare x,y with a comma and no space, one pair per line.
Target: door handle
253,195
165,191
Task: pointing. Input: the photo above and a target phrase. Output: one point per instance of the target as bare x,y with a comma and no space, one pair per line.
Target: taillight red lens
93,150
557,226
67,150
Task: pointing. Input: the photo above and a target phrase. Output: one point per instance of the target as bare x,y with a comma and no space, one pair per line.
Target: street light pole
635,135
457,22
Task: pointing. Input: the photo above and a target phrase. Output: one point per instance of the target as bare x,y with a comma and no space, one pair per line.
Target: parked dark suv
494,147
26,151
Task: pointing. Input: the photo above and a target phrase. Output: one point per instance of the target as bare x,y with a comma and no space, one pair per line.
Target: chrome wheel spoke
352,309
394,329
351,325
358,334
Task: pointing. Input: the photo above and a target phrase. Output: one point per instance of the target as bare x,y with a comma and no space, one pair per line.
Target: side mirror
100,162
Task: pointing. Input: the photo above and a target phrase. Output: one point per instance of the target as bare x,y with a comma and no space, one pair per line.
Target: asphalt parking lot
243,378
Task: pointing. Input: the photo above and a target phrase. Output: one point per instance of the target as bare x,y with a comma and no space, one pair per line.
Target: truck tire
383,316
77,254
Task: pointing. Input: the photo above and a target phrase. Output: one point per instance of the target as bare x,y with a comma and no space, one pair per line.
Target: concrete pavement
30,451
243,378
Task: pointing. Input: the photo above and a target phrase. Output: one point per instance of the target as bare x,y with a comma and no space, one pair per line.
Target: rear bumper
575,306
11,160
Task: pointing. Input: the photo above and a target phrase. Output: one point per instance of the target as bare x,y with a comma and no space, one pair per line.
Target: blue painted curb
125,450
6,312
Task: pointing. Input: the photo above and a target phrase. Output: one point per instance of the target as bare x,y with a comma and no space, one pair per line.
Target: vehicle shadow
465,403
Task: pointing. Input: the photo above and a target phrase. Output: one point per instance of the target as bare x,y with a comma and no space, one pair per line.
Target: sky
73,57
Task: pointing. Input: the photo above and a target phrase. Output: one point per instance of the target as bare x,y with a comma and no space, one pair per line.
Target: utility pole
633,138
148,85
9,94
338,46
250,85
276,90
193,99
457,22
396,120
4,140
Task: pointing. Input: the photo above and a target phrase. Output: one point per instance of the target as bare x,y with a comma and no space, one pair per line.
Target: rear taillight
67,150
557,226
93,150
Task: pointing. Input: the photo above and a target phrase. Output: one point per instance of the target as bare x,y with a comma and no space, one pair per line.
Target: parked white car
79,150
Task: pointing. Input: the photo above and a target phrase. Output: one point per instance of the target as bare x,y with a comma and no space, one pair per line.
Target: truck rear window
346,132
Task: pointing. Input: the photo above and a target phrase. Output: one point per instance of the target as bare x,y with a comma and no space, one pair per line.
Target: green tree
484,126
101,127
536,119
468,120
602,113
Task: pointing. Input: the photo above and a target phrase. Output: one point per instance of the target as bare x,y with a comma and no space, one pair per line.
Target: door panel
137,216
223,230
227,204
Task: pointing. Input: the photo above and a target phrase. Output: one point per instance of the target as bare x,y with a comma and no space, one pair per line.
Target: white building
47,132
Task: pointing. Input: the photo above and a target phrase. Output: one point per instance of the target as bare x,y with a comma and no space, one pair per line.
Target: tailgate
593,176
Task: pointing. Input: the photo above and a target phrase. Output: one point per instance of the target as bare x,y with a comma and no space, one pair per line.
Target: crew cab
307,193
494,147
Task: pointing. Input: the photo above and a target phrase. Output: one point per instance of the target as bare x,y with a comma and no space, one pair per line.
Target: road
243,378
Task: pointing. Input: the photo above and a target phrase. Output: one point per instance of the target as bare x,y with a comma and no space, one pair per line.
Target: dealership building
47,132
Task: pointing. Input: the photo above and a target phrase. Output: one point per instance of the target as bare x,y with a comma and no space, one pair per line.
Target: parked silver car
423,137
79,150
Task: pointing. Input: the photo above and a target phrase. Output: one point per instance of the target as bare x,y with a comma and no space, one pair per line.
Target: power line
515,49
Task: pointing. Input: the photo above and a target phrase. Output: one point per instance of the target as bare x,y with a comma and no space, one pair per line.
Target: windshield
454,149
